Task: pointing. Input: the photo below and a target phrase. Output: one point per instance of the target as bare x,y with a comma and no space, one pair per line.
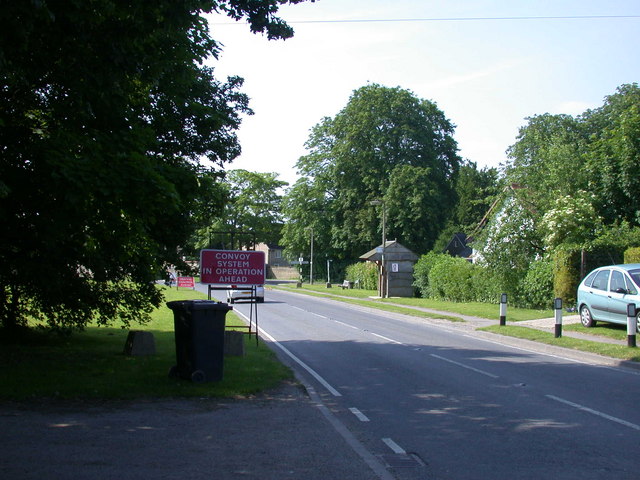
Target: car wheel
198,376
638,323
585,317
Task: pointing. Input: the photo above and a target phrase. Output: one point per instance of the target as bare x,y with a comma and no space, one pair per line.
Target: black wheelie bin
199,334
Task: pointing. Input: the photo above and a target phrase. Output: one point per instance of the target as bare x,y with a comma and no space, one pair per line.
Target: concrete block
234,343
140,343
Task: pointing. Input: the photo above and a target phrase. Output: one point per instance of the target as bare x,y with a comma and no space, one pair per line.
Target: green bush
632,255
536,290
452,278
445,277
487,285
365,273
421,271
566,274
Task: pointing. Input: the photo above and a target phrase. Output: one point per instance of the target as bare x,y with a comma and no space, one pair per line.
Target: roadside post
503,309
557,305
631,325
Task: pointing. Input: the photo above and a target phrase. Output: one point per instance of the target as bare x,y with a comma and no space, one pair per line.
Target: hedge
365,273
632,255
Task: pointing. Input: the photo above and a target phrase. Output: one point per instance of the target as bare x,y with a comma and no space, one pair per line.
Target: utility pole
383,271
311,261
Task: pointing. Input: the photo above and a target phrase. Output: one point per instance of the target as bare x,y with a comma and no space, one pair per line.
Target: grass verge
475,309
357,297
609,350
92,365
608,330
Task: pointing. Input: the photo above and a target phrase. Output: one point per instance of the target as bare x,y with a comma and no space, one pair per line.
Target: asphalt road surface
431,400
387,397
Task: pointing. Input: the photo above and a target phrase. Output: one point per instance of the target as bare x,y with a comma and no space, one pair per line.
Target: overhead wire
458,19
461,19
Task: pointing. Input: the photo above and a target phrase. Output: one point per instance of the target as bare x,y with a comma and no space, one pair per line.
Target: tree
572,221
251,211
476,191
412,201
548,158
573,182
597,152
614,156
382,138
511,241
106,111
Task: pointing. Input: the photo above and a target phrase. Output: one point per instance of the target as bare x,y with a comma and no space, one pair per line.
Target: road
438,402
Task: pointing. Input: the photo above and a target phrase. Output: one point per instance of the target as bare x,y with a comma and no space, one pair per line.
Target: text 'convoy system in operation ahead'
230,266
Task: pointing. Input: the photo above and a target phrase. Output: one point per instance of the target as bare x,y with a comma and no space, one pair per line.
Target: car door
597,296
618,301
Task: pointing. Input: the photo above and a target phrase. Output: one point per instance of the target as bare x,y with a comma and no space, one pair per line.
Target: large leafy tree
306,207
410,190
476,191
548,158
591,159
106,110
385,145
614,155
546,163
569,180
252,211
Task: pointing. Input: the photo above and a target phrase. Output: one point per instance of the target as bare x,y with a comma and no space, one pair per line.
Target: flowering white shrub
572,220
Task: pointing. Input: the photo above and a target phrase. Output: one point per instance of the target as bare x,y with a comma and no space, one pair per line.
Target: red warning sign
232,267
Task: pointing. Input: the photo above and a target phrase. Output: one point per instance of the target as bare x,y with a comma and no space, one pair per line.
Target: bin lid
198,304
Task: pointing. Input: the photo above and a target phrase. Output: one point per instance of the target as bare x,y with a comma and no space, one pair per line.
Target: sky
484,65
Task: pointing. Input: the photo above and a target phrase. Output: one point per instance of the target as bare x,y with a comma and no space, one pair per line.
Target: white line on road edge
394,446
361,416
594,412
315,374
373,463
482,372
386,338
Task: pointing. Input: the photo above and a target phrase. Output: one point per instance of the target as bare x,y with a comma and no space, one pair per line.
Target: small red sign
225,267
186,282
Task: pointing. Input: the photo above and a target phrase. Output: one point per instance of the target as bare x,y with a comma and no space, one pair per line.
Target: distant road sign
232,267
186,282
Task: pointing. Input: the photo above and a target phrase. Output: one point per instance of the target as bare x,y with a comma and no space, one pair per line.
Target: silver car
245,292
604,294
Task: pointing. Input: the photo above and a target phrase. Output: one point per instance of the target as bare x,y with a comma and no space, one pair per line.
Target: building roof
457,246
393,251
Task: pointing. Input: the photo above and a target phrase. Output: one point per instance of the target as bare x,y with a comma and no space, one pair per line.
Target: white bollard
631,325
503,309
557,305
